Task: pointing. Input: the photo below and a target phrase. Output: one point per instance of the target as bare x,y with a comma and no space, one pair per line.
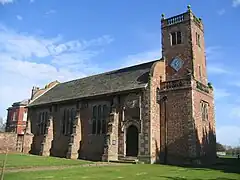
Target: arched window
94,119
99,119
73,114
45,122
104,120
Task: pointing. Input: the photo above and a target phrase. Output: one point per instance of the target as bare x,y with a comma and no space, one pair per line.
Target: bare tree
2,125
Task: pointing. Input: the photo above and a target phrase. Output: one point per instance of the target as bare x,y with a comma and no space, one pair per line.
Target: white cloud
236,3
30,60
19,17
228,135
217,69
141,57
220,93
214,53
6,1
221,12
52,11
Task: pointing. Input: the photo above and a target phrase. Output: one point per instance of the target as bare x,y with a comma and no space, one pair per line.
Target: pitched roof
20,103
129,78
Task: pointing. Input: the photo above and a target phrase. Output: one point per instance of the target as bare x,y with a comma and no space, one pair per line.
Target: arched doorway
132,141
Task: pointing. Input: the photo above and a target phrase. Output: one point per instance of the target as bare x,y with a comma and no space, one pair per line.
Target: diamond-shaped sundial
176,63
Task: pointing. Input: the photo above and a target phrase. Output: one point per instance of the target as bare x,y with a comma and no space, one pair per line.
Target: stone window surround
101,104
177,41
67,120
198,42
42,122
204,106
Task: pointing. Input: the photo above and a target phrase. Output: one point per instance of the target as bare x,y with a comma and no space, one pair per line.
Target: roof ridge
111,71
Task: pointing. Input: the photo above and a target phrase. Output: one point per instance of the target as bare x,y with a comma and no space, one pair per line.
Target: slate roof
21,103
129,78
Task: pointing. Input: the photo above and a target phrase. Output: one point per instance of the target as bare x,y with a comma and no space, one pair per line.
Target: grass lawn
23,161
128,172
227,169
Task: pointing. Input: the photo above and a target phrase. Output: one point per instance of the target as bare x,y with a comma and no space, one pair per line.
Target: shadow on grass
226,165
181,178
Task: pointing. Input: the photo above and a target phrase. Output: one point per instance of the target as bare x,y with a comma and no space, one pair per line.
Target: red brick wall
206,131
157,73
18,125
199,59
178,116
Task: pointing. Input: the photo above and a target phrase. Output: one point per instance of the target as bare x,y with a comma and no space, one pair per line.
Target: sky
46,40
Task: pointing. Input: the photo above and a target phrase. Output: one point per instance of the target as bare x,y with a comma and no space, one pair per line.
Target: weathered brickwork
8,141
16,119
145,135
76,137
46,144
205,136
111,138
157,76
13,142
176,112
152,111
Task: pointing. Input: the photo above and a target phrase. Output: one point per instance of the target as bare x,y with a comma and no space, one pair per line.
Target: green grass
24,161
227,169
128,172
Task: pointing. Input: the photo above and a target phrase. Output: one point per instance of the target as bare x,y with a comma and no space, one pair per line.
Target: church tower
183,46
186,99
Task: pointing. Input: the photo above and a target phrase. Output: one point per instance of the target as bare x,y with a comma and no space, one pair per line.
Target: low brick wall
15,143
8,141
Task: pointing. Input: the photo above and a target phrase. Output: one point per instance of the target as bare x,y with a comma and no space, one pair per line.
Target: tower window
176,38
204,110
198,39
200,72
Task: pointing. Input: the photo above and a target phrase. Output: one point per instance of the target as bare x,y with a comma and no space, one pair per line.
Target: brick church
159,111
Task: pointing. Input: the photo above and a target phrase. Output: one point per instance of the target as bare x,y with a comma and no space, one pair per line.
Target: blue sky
46,40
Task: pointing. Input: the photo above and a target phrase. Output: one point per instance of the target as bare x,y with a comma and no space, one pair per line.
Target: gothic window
204,110
72,120
94,119
42,123
67,123
99,119
176,38
197,39
104,120
45,121
63,121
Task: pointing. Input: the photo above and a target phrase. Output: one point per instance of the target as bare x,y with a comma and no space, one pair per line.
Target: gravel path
27,169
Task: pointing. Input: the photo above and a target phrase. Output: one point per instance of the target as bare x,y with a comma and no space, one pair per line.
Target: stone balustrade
175,19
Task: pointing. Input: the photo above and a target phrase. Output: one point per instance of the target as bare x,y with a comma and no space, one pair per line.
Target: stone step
128,158
123,161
